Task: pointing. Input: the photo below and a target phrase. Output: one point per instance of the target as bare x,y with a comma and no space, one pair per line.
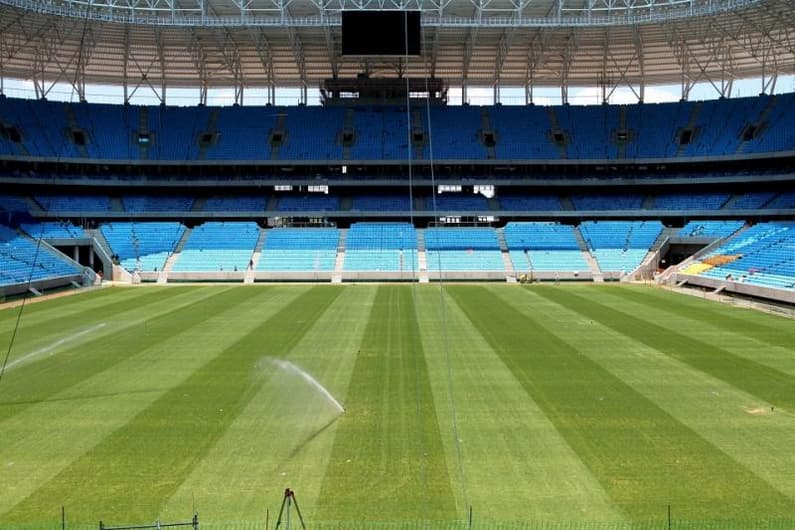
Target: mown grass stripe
388,461
136,469
734,320
74,364
41,328
644,457
501,430
96,407
60,304
774,386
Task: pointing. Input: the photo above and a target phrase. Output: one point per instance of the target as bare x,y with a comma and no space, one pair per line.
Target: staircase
485,125
566,205
73,125
281,120
691,124
621,147
162,276
273,204
339,263
212,126
742,147
555,126
143,127
255,256
422,257
116,205
648,202
347,125
198,204
346,203
729,204
417,124
596,272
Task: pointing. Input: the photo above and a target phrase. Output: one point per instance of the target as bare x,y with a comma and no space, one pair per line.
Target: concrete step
510,274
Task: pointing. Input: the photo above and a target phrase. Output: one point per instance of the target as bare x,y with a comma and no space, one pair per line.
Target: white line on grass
57,344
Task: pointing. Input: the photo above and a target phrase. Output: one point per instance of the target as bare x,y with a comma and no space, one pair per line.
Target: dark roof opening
11,133
686,136
79,138
276,138
750,132
489,138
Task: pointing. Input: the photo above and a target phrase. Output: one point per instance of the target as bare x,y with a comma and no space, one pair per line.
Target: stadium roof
156,44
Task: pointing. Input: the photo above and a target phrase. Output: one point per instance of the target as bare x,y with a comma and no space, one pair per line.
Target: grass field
565,404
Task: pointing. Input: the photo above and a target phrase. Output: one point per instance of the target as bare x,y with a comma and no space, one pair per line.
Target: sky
475,95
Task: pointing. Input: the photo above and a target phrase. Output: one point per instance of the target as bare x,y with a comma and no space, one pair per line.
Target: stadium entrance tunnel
678,249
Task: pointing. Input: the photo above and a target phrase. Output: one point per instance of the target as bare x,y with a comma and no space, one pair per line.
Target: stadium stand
236,203
218,246
463,249
156,203
620,245
762,255
610,201
543,247
299,249
459,202
381,247
690,201
313,133
315,202
529,203
54,230
21,260
74,203
13,203
142,246
522,132
381,203
717,229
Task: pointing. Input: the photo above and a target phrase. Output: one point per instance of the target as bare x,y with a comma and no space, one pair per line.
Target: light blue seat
218,247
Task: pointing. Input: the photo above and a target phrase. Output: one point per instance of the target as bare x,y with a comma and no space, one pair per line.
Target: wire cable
443,307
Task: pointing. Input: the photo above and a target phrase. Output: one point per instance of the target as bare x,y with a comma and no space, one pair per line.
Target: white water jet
50,347
291,368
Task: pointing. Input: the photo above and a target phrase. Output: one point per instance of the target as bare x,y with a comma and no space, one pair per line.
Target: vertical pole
470,517
669,517
63,518
267,518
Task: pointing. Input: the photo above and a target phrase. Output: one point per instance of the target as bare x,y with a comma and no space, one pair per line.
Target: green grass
549,406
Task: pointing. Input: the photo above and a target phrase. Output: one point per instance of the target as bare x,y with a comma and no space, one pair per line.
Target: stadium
454,265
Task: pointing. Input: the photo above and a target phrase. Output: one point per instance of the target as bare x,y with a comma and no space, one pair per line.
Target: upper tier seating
74,203
381,203
543,247
22,258
459,202
611,201
299,249
54,230
454,133
215,246
752,200
142,246
156,203
315,202
381,247
690,201
620,245
762,255
529,203
13,203
237,203
717,229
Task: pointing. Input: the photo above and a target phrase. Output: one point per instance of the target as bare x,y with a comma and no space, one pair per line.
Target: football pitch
562,405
